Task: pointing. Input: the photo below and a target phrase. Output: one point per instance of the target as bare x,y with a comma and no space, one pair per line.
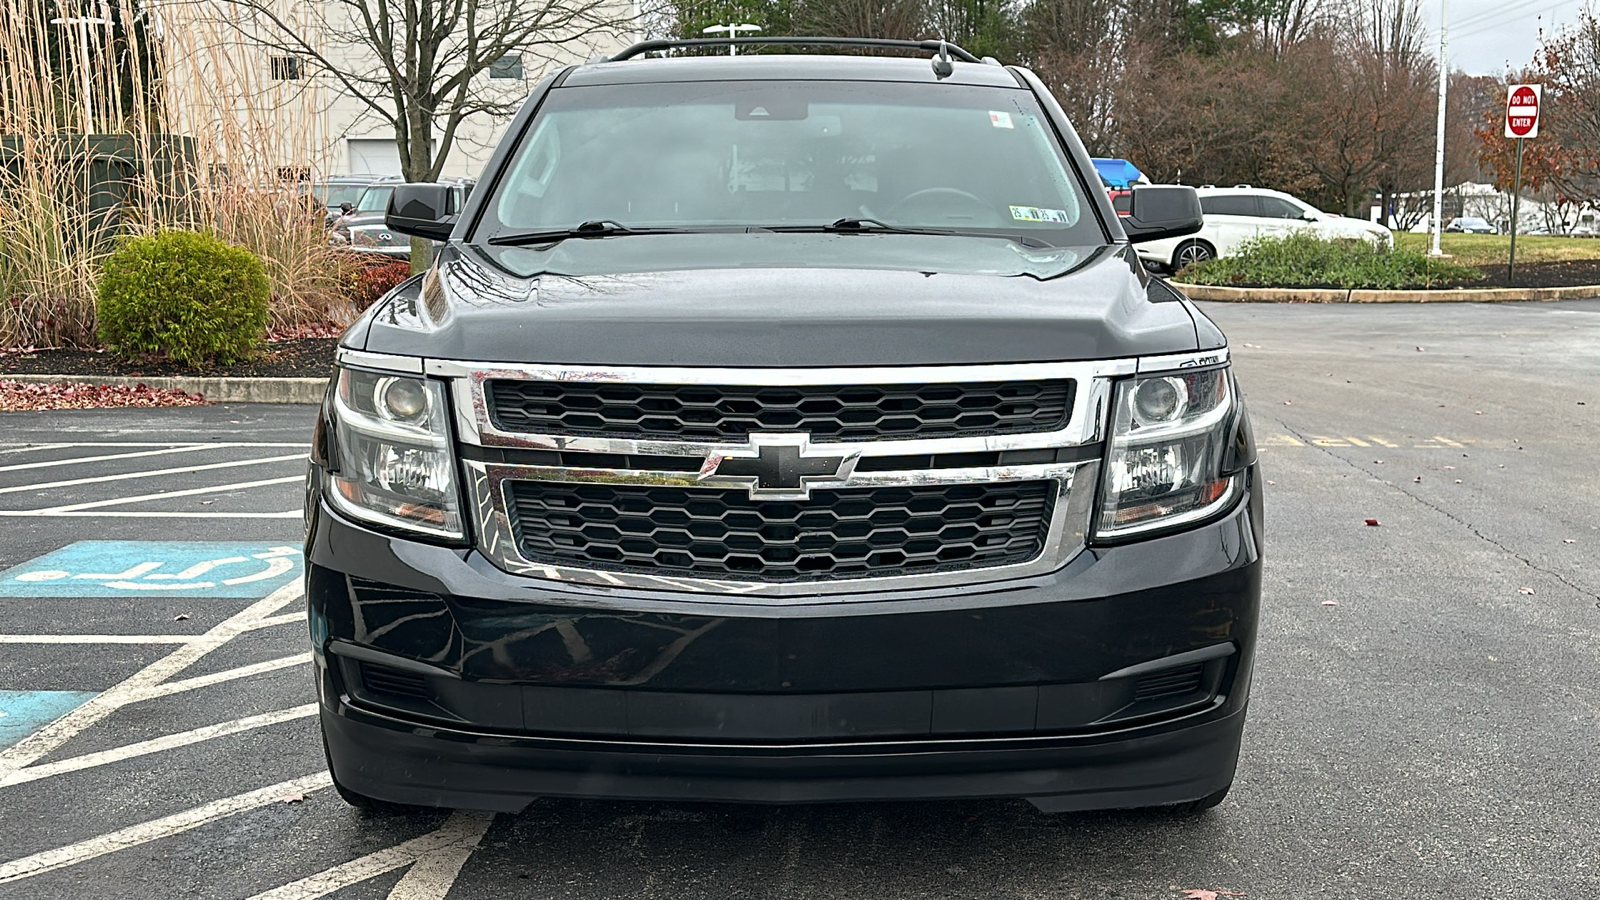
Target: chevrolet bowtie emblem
778,467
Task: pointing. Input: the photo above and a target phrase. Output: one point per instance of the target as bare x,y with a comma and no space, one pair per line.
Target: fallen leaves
293,798
1202,894
17,395
320,330
1373,523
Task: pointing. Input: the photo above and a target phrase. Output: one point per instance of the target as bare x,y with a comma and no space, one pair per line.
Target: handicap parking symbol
155,569
24,712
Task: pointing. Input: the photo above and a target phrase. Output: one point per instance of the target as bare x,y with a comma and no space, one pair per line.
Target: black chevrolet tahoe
788,427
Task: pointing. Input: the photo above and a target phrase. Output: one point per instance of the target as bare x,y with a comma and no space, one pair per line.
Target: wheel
369,805
942,202
1196,807
1191,253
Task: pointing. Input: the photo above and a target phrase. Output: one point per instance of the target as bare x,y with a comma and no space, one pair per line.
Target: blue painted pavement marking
155,569
24,712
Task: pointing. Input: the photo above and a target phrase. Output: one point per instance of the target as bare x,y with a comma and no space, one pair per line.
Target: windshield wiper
591,229
863,225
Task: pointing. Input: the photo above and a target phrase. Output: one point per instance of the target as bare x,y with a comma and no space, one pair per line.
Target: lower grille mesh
724,534
381,679
1170,683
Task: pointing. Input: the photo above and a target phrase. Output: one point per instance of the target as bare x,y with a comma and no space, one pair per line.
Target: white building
237,81
1414,212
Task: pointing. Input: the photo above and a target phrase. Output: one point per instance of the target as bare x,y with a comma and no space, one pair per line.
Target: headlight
393,463
1169,438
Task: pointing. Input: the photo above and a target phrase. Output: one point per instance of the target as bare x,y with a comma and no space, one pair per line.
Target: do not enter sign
1522,110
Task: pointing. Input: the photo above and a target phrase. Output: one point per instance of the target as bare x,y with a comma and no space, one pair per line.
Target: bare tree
421,66
894,19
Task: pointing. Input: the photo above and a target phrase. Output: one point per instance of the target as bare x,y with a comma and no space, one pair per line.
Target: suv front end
912,534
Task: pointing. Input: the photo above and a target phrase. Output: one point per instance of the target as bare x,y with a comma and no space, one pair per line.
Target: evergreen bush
185,296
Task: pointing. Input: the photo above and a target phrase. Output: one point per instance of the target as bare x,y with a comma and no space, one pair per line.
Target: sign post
1522,122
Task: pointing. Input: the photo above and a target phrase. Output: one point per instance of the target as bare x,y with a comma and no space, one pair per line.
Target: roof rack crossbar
932,47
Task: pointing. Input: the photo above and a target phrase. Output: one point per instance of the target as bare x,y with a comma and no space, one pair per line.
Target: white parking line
142,684
49,463
116,514
153,473
145,832
161,495
434,874
21,448
31,448
156,745
284,619
98,638
168,688
436,859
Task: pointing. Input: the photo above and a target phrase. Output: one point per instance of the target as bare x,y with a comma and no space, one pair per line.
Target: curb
1323,295
217,390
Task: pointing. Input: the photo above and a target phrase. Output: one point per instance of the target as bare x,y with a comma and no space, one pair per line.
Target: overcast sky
1488,36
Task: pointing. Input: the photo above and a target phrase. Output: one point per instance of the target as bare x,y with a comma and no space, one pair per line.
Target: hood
502,306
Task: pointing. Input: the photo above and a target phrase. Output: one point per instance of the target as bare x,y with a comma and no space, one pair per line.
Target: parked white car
1238,214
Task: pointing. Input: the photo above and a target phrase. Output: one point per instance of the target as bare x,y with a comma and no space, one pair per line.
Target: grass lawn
1488,249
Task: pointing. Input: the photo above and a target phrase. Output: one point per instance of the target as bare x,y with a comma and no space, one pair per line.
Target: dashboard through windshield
747,155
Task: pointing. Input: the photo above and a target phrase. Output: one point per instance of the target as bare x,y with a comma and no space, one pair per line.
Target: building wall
242,98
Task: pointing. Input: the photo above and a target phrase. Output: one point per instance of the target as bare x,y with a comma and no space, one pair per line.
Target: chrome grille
834,534
555,494
835,412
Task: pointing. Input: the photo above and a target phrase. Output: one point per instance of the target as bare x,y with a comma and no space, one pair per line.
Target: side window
1275,208
1228,205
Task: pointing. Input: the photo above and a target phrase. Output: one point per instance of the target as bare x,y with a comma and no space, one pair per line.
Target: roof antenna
942,67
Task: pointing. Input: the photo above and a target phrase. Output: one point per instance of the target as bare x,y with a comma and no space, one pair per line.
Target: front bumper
1120,680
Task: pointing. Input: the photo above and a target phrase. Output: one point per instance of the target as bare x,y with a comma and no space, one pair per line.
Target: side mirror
422,210
1161,211
1311,215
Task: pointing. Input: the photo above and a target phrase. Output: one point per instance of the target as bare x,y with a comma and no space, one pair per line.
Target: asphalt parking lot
1425,718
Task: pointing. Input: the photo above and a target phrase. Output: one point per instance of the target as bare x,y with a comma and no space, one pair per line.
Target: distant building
267,109
1414,211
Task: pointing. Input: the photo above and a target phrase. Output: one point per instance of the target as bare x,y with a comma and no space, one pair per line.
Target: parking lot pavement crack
1425,502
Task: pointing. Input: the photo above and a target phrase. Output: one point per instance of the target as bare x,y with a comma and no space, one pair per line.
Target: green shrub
1302,260
185,296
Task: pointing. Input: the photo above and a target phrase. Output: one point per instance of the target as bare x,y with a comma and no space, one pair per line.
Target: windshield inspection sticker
1038,214
1000,119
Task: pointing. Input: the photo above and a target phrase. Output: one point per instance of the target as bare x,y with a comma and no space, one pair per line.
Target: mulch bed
1572,273
15,396
297,358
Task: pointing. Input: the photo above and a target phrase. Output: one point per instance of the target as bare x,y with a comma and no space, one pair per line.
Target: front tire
1190,253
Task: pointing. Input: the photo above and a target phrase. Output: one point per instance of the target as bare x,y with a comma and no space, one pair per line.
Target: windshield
332,195
786,154
375,198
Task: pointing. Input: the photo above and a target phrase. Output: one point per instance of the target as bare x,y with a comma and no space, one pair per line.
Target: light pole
733,30
83,23
1438,151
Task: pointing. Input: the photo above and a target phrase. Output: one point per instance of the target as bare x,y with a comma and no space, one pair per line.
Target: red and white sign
1522,110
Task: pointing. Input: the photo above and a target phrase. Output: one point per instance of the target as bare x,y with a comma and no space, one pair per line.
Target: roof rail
932,47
